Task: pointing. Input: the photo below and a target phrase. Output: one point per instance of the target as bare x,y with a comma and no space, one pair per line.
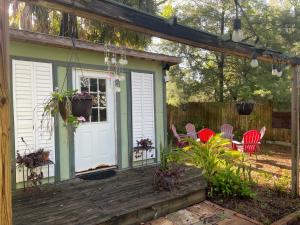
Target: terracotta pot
82,106
45,156
244,108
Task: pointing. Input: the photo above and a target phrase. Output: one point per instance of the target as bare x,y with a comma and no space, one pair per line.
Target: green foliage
203,76
227,182
52,107
282,184
49,21
168,11
167,175
168,156
219,167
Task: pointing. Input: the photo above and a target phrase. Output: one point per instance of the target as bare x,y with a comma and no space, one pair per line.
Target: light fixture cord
237,4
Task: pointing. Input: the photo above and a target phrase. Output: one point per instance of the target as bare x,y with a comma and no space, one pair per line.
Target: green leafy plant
61,102
223,168
167,175
282,184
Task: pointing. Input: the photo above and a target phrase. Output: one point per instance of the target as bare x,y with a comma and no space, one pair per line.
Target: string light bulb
279,72
254,61
237,35
274,70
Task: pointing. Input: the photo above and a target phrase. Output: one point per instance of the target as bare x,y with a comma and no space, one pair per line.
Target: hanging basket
80,106
244,108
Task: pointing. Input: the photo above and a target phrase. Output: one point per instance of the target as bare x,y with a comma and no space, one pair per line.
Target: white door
95,140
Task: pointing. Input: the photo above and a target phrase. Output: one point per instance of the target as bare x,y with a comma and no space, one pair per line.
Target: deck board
127,198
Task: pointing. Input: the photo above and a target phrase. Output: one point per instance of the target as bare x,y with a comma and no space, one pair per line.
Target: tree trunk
221,61
5,150
68,26
42,20
26,18
221,77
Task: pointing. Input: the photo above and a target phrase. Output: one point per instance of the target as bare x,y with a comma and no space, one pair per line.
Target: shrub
220,166
282,184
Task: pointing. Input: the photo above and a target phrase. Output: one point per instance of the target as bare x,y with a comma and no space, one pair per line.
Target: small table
46,163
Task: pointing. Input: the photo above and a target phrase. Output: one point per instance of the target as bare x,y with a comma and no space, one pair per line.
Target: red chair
205,134
250,143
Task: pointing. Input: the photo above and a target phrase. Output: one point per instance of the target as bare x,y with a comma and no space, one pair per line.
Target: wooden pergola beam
116,14
5,150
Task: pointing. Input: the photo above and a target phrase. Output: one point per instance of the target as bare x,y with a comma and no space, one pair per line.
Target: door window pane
103,114
102,100
95,100
93,85
102,85
97,89
94,115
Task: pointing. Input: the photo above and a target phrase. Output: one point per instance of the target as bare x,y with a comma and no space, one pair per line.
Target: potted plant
142,145
74,107
32,161
244,108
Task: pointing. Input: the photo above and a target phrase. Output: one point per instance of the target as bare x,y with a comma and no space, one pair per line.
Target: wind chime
115,65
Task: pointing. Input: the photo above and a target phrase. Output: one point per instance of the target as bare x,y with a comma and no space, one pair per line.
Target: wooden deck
127,198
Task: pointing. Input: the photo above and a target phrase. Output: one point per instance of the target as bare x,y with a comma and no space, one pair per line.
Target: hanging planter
82,106
73,107
79,105
244,108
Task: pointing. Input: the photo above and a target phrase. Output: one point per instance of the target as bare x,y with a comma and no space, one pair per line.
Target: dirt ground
271,175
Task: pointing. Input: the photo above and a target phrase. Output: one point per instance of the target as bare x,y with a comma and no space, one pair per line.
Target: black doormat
98,175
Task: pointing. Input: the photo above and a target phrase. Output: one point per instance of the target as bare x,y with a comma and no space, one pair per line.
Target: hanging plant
73,107
245,103
244,108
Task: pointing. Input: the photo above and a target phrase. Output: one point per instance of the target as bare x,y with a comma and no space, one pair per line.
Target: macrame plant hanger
73,60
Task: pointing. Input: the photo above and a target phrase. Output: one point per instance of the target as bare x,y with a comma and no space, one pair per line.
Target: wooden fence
213,115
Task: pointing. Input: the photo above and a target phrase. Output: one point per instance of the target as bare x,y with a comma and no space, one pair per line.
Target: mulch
269,204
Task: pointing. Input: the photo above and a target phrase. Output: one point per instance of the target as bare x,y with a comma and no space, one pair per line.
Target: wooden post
5,150
295,131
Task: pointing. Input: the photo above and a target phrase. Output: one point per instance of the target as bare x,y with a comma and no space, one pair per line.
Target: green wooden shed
135,109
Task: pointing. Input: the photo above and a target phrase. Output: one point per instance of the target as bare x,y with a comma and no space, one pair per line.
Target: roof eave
65,42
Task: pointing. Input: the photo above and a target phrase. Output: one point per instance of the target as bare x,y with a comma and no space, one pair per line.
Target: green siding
89,59
124,124
63,141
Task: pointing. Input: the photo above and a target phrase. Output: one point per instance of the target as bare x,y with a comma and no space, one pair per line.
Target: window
97,88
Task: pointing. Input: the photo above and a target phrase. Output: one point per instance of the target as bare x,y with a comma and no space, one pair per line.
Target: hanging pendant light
279,72
254,61
274,69
237,35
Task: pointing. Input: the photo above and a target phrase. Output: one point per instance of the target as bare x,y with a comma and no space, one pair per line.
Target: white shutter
23,104
32,85
143,109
